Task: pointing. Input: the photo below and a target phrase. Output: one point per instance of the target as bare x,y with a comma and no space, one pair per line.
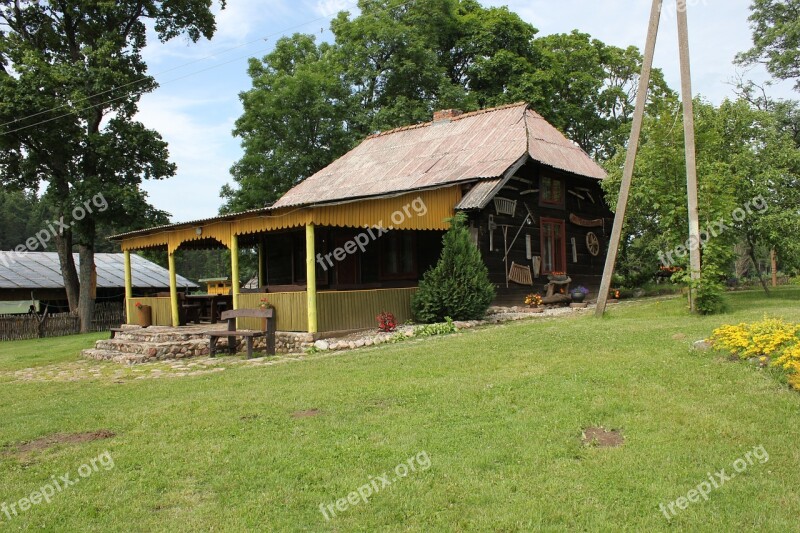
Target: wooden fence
19,327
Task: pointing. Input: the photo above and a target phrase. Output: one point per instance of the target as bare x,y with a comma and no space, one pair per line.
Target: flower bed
772,341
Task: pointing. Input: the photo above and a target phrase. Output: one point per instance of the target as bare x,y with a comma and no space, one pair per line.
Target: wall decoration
585,222
504,206
574,250
593,243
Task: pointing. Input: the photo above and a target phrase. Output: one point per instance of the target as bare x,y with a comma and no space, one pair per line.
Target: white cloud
202,149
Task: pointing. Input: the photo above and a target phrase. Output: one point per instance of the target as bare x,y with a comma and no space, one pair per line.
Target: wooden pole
128,286
774,258
235,270
630,160
689,143
311,279
173,291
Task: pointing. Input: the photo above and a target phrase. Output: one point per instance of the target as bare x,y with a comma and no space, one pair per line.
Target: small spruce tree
458,286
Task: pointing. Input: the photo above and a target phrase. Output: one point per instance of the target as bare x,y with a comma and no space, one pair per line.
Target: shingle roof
41,270
474,146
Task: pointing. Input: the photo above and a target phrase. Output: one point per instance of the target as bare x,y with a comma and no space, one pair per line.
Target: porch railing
336,310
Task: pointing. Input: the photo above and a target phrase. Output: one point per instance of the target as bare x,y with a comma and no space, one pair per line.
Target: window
554,246
551,192
398,253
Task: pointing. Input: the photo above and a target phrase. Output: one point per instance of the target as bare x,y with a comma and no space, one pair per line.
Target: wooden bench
231,333
114,331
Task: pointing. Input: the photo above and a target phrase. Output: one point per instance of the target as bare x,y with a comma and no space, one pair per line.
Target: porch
323,268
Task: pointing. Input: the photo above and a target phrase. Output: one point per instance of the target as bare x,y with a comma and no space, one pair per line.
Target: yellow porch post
128,285
311,280
235,270
173,290
261,280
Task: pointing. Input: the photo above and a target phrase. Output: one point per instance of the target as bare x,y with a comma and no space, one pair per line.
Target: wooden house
355,238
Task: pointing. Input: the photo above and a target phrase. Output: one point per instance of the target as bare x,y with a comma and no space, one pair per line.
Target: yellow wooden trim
345,310
234,245
161,308
128,284
311,279
173,291
397,212
290,310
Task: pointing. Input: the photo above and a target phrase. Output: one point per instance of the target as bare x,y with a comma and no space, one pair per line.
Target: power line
146,78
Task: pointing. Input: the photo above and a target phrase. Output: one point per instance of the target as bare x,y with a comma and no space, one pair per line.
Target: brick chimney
445,115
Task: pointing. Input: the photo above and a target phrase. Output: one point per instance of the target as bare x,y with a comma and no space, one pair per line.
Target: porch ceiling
420,210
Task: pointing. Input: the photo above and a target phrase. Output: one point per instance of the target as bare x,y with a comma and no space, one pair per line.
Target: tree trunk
68,270
774,259
86,303
755,263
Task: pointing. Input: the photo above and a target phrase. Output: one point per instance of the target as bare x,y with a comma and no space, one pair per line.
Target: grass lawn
498,412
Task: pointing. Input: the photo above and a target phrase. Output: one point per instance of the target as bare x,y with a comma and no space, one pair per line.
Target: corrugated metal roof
479,145
548,146
42,270
479,195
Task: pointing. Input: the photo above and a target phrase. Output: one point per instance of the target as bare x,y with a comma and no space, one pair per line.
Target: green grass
499,412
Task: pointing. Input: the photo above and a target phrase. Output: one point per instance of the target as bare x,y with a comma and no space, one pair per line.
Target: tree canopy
776,38
71,74
398,62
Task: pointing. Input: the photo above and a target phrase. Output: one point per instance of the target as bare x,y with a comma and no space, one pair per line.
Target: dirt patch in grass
601,437
49,441
306,413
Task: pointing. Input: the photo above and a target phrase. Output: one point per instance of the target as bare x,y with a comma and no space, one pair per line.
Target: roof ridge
459,117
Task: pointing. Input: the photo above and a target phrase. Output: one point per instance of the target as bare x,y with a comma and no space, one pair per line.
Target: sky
197,102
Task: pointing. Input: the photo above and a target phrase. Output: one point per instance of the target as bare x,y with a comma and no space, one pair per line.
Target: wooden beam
235,271
128,285
311,279
173,291
689,143
630,160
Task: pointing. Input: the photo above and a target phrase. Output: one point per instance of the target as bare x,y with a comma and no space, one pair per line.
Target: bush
458,286
429,330
708,298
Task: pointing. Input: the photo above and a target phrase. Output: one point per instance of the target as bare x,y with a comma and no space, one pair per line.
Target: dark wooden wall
586,271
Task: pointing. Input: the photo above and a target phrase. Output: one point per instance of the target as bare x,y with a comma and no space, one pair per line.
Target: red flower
386,322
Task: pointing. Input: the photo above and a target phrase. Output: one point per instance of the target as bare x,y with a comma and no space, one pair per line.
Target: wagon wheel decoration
593,243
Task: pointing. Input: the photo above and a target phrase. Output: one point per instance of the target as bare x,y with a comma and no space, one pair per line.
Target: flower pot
145,315
577,296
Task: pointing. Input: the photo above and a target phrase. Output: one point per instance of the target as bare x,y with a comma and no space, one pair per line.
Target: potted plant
534,302
578,294
145,314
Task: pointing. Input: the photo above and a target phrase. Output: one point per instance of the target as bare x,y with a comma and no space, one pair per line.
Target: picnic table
211,305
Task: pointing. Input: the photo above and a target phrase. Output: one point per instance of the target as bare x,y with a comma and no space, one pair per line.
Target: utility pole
633,148
630,159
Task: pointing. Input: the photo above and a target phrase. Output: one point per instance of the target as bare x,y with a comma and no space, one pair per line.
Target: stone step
157,350
156,337
117,357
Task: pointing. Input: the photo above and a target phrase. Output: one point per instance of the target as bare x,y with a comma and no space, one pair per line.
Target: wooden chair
231,333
